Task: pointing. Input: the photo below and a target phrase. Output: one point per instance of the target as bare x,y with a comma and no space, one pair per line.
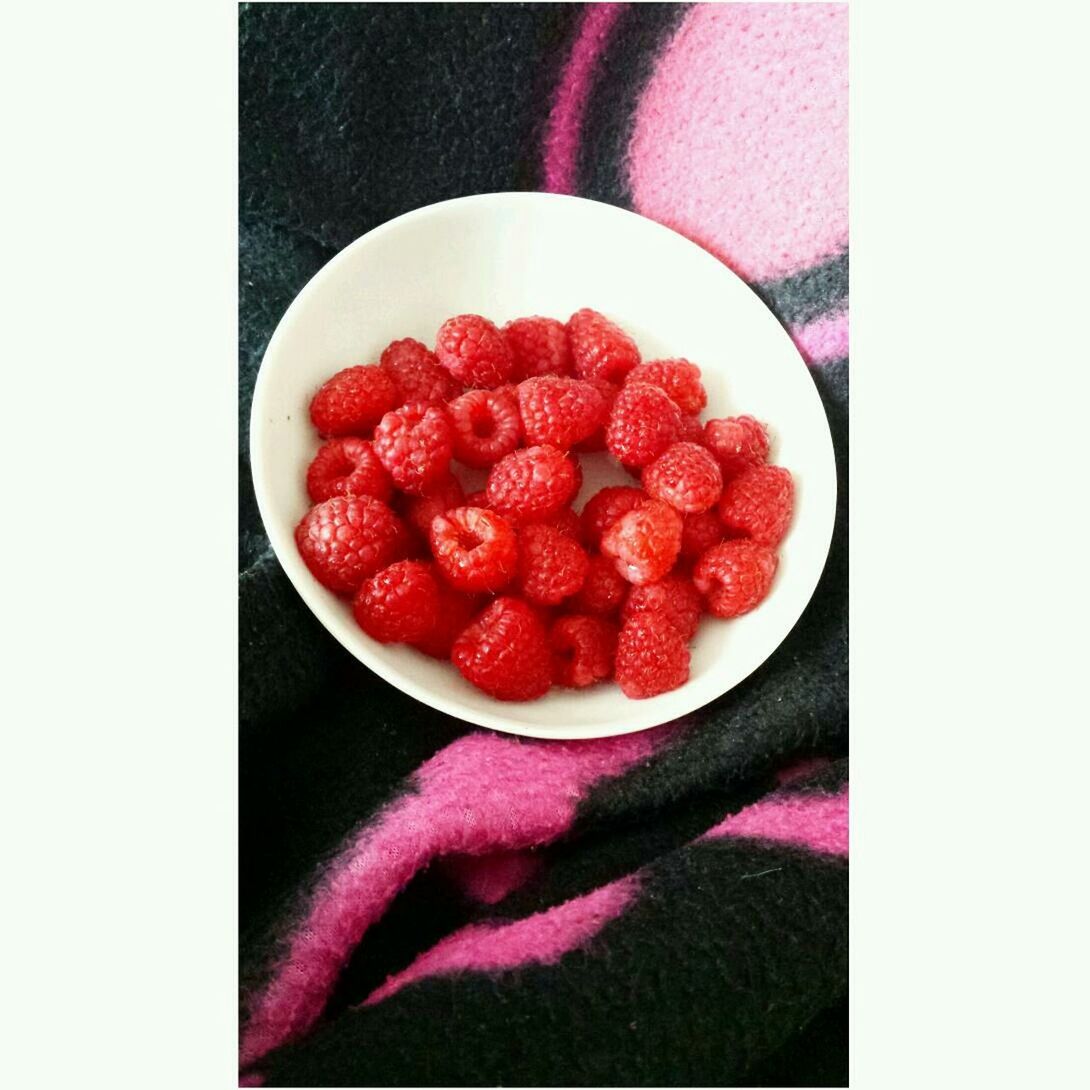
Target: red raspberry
738,442
690,430
552,567
686,476
673,599
699,533
532,484
399,604
603,590
758,504
605,507
609,393
652,657
415,444
643,423
353,401
345,539
645,542
505,652
475,549
567,522
560,411
347,467
735,576
583,650
679,378
474,351
416,372
486,427
539,346
477,499
420,510
456,610
599,348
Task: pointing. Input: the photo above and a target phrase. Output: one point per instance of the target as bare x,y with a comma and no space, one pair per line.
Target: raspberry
353,401
505,652
690,430
686,476
679,378
699,533
552,567
475,549
758,504
486,427
652,657
735,576
345,539
599,348
560,411
673,599
738,442
477,499
603,590
456,610
532,484
643,423
474,351
645,542
414,444
539,346
420,510
583,650
416,372
347,467
609,393
399,604
567,522
605,507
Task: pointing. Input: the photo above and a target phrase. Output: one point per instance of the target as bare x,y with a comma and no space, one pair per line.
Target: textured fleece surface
663,909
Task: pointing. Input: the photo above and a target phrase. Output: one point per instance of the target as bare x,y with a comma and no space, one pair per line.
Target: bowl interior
507,255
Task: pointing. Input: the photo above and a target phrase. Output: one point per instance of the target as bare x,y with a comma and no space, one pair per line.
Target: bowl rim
339,623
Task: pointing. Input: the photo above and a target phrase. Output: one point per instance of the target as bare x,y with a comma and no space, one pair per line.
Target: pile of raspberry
512,585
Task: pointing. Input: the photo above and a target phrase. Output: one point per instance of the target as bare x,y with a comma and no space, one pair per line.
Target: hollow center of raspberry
484,427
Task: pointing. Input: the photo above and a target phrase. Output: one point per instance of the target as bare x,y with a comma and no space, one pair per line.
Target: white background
968,496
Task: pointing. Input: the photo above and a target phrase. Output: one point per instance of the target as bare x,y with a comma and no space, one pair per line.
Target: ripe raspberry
505,652
560,411
583,650
735,576
552,567
532,484
738,442
345,539
605,507
399,604
456,610
699,533
690,430
645,542
673,599
758,504
643,423
477,499
416,372
353,401
539,346
679,378
599,348
652,657
566,521
474,351
604,590
609,393
420,510
686,476
347,467
486,427
415,444
475,549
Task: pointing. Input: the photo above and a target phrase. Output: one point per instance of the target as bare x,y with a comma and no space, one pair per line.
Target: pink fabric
740,138
540,939
824,340
480,794
817,822
566,118
487,879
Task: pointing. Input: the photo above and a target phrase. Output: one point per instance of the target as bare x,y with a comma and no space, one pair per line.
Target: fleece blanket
426,903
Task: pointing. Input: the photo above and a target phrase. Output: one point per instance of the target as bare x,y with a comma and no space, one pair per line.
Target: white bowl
510,254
